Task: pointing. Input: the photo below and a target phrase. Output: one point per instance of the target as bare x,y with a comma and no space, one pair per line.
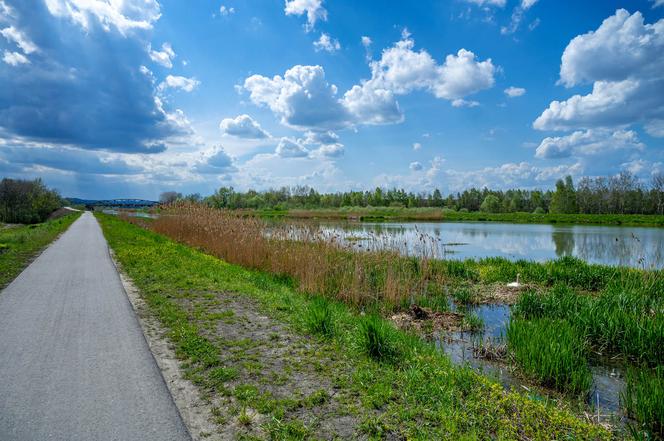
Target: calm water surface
626,246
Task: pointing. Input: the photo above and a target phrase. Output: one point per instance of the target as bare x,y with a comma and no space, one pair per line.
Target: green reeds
552,352
643,399
378,339
319,318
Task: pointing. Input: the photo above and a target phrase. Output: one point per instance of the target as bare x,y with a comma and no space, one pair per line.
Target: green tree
491,204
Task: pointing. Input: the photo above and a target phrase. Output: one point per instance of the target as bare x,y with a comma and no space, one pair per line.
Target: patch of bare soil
60,212
425,321
498,293
285,386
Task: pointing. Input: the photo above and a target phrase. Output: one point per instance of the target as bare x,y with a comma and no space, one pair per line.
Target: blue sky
117,98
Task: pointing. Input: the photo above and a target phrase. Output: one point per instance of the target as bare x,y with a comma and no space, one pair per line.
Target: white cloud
291,148
366,41
527,4
327,43
622,59
243,126
163,57
178,82
498,3
459,102
14,58
415,166
226,11
123,15
417,146
304,99
657,3
14,35
588,143
312,8
514,92
217,161
517,17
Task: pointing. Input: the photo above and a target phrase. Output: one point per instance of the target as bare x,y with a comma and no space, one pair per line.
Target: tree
27,202
564,198
491,204
168,197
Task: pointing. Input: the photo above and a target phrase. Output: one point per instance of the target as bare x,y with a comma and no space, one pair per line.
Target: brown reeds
321,262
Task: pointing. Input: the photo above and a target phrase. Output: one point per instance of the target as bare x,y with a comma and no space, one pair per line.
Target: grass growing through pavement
552,352
419,394
643,398
20,243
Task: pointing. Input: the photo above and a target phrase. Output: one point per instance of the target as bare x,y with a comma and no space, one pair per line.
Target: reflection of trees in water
564,242
620,249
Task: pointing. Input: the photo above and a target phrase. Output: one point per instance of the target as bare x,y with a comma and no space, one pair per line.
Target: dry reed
320,262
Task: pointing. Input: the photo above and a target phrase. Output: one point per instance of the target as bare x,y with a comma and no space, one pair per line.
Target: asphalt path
74,364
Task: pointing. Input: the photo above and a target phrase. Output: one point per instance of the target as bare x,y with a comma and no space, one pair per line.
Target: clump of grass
473,322
378,339
319,317
552,352
643,399
464,296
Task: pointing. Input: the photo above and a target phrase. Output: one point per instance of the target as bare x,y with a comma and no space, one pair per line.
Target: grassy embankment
20,243
388,382
614,311
438,214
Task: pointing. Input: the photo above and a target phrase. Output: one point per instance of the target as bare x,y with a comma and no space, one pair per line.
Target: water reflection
625,246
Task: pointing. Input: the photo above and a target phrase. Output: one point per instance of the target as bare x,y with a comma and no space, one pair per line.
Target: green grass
473,322
419,394
643,399
552,352
19,244
433,214
624,319
319,317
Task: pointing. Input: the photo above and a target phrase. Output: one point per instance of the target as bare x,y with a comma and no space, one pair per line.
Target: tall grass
552,352
319,317
378,338
643,398
625,319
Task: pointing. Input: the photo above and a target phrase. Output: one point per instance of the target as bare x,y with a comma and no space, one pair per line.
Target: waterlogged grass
643,399
19,244
438,214
419,394
625,319
552,352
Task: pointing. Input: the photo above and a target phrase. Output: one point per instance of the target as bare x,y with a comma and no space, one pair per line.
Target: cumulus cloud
588,143
327,43
178,82
366,41
63,97
460,102
415,166
622,59
216,162
514,92
657,3
243,126
291,148
313,9
510,175
304,99
125,16
164,56
417,146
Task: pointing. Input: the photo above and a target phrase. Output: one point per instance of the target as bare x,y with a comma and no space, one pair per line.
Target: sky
119,98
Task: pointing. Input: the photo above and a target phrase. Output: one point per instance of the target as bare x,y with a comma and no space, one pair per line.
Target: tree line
26,202
620,194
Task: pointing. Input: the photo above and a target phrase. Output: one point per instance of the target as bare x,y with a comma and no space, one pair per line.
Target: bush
26,202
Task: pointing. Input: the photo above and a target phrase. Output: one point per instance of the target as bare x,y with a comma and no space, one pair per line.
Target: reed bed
552,352
320,263
643,399
623,319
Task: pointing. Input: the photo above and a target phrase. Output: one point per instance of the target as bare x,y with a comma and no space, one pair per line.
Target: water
636,247
608,379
